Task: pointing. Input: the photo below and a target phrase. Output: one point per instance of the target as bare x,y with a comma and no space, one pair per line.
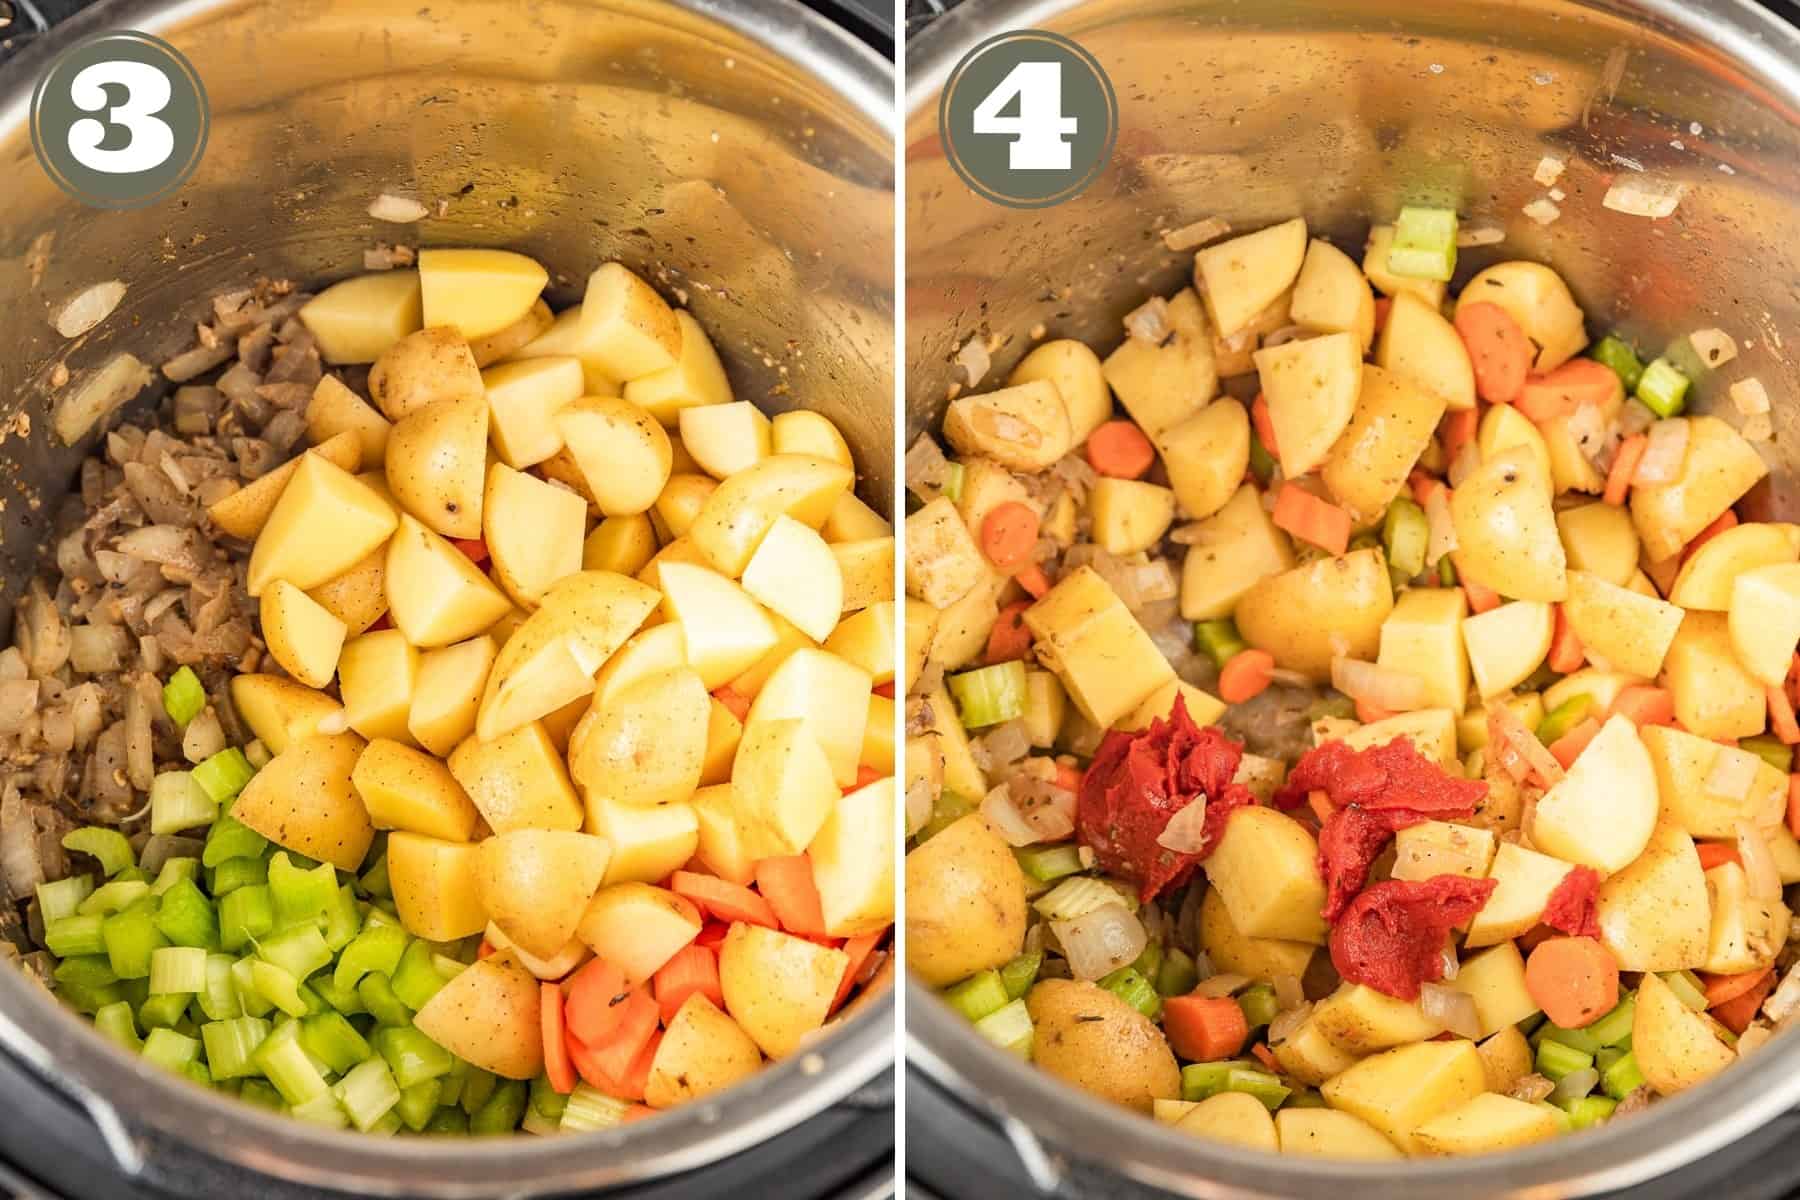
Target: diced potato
1746,932
724,733
335,409
378,676
489,1016
1785,849
1374,265
1653,914
533,531
517,781
1504,427
1525,878
703,1051
355,319
965,903
1419,345
942,561
1241,276
1674,1045
1714,696
1622,628
1495,980
1602,812
436,595
502,343
1311,387
920,624
623,545
431,365
646,746
878,735
1233,1117
557,967
853,521
1570,470
523,399
1597,538
1331,295
1393,423
961,775
1234,952
1433,848
727,438
782,785
695,378
325,522
1507,1058
1239,546
1203,707
778,987
1423,636
1706,578
646,843
866,638
1265,866
278,710
629,331
1310,1057
829,695
1507,644
789,554
726,631
1089,638
649,652
1206,456
1362,1020
788,638
1431,730
738,515
638,928
1719,467
679,503
568,337
1160,385
1764,621
302,636
1684,764
621,450
406,789
358,597
1327,1133
1023,428
303,801
448,693
1310,614
1079,378
1484,1124
479,292
1535,296
853,861
721,840
436,461
1506,532
1399,1090
1129,515
536,883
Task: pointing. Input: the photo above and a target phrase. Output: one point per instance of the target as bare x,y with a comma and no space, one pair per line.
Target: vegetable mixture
1375,740
551,785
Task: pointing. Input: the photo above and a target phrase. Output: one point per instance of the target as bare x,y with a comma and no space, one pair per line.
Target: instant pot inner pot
1259,110
738,156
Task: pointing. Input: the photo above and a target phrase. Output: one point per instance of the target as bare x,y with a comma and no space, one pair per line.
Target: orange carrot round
1575,980
1624,466
1033,580
1264,422
1498,349
557,1067
1205,1028
1560,392
1714,854
1782,722
1120,449
1008,534
1009,639
1645,705
1246,675
1721,989
1566,652
1721,523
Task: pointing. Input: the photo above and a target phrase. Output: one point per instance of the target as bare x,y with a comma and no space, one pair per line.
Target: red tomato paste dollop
1138,781
1574,906
1391,937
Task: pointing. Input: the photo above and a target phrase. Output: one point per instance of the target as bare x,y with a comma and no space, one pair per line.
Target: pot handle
22,21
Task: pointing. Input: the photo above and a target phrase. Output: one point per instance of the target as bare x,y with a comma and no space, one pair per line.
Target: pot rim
71,1060
1046,1120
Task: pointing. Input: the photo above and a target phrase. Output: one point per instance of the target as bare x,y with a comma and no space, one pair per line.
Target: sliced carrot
865,775
596,994
858,949
557,1067
1033,580
1306,516
1383,306
1781,716
786,882
1422,487
724,900
482,951
475,548
1205,1028
1566,653
1264,422
1737,1013
1624,466
1457,430
734,700
1008,534
1368,712
638,1077
1267,1058
1713,854
1320,804
1246,675
1793,807
1068,776
1575,980
691,969
614,1055
712,934
885,689
1498,350
1009,638
1645,705
1482,598
1560,392
1567,748
1721,989
1120,449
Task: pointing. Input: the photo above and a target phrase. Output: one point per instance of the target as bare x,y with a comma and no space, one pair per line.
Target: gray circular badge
120,120
1028,119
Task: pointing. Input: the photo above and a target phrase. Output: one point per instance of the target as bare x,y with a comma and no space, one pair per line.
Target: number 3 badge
1028,119
120,120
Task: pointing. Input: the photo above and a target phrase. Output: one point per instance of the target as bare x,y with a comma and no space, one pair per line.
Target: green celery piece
1622,1077
184,698
1219,640
953,483
117,1022
299,950
324,1110
450,1122
165,1011
989,695
332,1040
417,979
1584,1040
1179,975
198,1072
478,1085
589,1108
301,896
278,986
1771,750
175,871
1663,389
377,948
412,1056
1019,974
374,881
187,918
133,875
178,803
1047,864
243,981
978,995
224,775
1306,1098
258,1092
1078,896
230,838
170,1050
343,920
1686,987
378,995
219,1000
546,1101
90,998
1555,1060
231,1046
1009,1028
1259,1083
503,1110
1446,571
1262,463
113,897
1405,534
1589,1110
1614,352
62,897
343,1000
1129,985
107,846
1424,245
1149,962
950,808
1200,1080
1615,1026
235,873
177,970
86,970
1259,1004
1564,717
131,937
284,1060
368,1093
245,915
418,1104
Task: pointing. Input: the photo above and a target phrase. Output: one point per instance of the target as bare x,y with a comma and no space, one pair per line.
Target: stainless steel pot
1255,110
739,155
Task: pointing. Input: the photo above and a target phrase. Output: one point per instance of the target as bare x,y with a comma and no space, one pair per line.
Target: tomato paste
1138,781
1574,904
1392,936
1352,839
1393,775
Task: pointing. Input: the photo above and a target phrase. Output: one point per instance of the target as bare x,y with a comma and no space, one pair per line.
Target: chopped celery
224,774
1047,864
377,948
1554,1059
219,998
411,1055
324,1110
1424,245
503,1110
1018,975
278,987
546,1101
383,1005
230,838
285,1061
1663,388
368,1092
299,894
1770,750
63,897
1219,640
90,998
1622,1077
1259,1004
198,1072
114,897
989,695
374,881
1589,1110
950,808
1687,987
176,870
117,1023
953,483
1262,463
332,1040
170,1050
68,937
183,696
1446,571
1149,962
1077,896
235,873
178,803
177,970
1615,1026
978,995
1130,986
1178,975
244,916
186,917
417,979
1583,1040
344,1000
299,951
258,1092
133,875
1200,1080
1264,1086
1009,1028
1614,352
243,980
1405,534
1564,717
231,1046
86,970
343,921
589,1108
165,1010
454,1122
478,1085
418,1103
131,938
107,846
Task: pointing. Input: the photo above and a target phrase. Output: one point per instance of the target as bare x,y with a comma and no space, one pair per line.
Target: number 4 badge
1038,128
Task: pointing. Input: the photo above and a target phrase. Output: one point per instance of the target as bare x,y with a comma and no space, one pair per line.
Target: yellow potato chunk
1129,515
1362,1020
1400,1090
335,409
1684,765
478,292
623,545
523,398
1598,538
622,452
942,561
378,675
1418,344
568,337
517,781
244,512
1089,638
695,378
1506,532
647,843
1239,546
449,693
1265,867
436,595
431,365
1719,467
1507,644
1233,1117
436,461
303,800
1706,578
278,710
1161,386
1423,636
727,632
721,847
637,927
630,331
1484,1124
1023,428
1715,697
726,438
1312,388
407,789
325,523
1525,880
867,570
777,986
1621,628
1325,1133
1393,423
355,319
1079,378
796,574
646,747
1675,1046
302,636
1234,952
536,883
1244,275
1654,915
1309,614
435,886
851,520
1495,980
829,695
533,531
782,786
489,1017
866,638
853,861
702,1051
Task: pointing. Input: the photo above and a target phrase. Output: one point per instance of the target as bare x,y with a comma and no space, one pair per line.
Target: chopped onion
1549,170
1289,994
1784,1001
1517,749
1448,964
1714,346
397,210
1198,234
1763,881
1587,424
1101,941
1531,1088
1441,530
926,468
1450,1009
1542,210
1663,453
974,360
1149,321
88,308
1480,235
1185,832
78,411
1467,462
1574,1085
919,803
1644,196
1384,687
1002,746
1286,334
1153,581
1733,771
1753,1038
1635,417
1004,817
1750,396
1758,427
1221,985
1288,1022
